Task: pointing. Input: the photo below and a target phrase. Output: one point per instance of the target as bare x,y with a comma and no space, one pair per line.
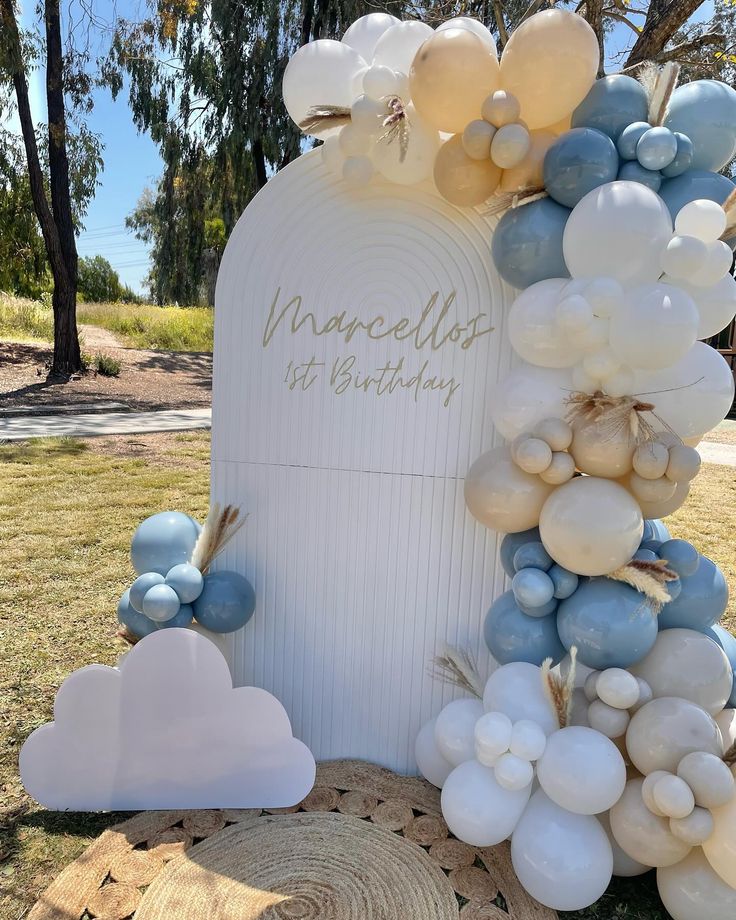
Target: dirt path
95,338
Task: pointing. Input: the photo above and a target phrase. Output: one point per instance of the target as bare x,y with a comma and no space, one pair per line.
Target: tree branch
694,44
503,35
663,20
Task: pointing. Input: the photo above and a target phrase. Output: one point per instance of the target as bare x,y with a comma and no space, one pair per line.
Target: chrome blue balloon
683,158
702,601
629,138
657,148
186,580
577,162
660,531
161,603
648,533
226,603
612,103
705,110
513,636
182,619
694,184
532,556
610,623
633,171
674,588
163,541
645,555
728,643
135,622
681,556
511,543
532,588
527,243
544,611
651,545
565,582
141,585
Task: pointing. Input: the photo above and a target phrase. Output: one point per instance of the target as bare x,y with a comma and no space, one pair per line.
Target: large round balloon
397,46
716,304
728,643
226,603
527,243
163,541
613,103
528,395
664,730
472,25
701,602
516,690
623,865
549,64
691,890
591,526
705,110
534,331
364,33
720,847
136,622
610,624
693,185
320,74
432,765
620,231
644,836
562,859
578,162
511,635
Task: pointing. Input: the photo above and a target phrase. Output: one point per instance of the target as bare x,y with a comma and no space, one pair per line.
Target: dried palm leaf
457,666
611,415
730,756
729,206
662,92
649,578
397,125
504,201
219,528
321,117
559,689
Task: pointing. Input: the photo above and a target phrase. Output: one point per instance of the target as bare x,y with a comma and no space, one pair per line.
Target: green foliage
98,280
25,319
107,366
165,328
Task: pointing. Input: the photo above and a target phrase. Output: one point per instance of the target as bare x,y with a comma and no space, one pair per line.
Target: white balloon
332,155
683,257
320,73
617,687
534,332
513,772
421,149
454,730
717,264
472,25
619,230
703,219
358,171
647,791
527,740
720,847
716,304
477,809
380,81
432,765
623,865
364,33
398,45
367,114
353,141
582,770
528,395
510,145
691,890
563,860
727,724
692,396
492,737
608,720
477,138
516,689
673,797
655,328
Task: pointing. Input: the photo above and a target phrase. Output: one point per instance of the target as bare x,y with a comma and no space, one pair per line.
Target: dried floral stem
662,92
457,666
730,756
504,201
729,206
559,689
321,117
649,578
219,528
397,125
612,415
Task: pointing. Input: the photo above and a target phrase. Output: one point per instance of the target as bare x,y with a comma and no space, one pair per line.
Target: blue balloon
134,622
182,619
226,603
674,588
186,580
140,587
657,148
683,158
610,623
577,162
651,545
648,533
681,556
694,184
660,531
612,103
728,643
701,602
633,171
705,110
532,588
565,582
630,137
645,555
544,611
161,603
511,543
527,243
532,556
163,541
513,636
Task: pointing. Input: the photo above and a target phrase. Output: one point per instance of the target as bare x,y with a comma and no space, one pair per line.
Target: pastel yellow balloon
602,453
502,496
452,74
461,180
549,64
691,890
530,172
642,835
720,847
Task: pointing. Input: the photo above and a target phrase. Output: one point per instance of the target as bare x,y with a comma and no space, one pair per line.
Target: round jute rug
365,844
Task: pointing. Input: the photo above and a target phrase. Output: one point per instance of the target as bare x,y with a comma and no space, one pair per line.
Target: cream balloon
623,865
461,180
472,25
477,138
709,778
687,664
602,453
417,162
691,890
533,330
555,431
663,731
529,173
651,459
643,836
549,64
694,828
398,45
430,762
526,396
720,847
320,73
653,511
364,33
591,526
503,497
451,76
510,145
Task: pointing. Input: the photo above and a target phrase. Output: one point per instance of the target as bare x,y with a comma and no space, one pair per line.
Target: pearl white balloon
555,431
477,138
716,265
683,257
561,469
398,45
650,459
663,731
605,296
619,230
563,860
720,847
709,778
513,772
673,797
581,770
527,395
527,740
590,687
645,694
691,890
716,304
380,81
608,720
647,791
703,219
623,865
430,762
684,463
516,689
648,491
501,108
694,828
533,455
533,329
421,150
618,687
472,25
642,835
320,73
364,33
353,141
574,313
367,114
492,737
510,145
477,809
454,730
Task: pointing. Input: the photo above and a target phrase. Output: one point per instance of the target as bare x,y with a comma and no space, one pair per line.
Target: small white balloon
454,730
709,778
367,114
716,304
716,265
477,138
647,791
651,490
673,797
590,686
380,81
432,765
533,455
492,737
621,383
608,720
501,108
354,142
694,828
528,741
419,155
397,46
595,335
726,721
605,296
618,688
516,689
560,470
601,364
650,459
574,313
556,432
364,33
510,145
703,219
513,772
645,694
683,257
533,328
358,171
683,464
527,395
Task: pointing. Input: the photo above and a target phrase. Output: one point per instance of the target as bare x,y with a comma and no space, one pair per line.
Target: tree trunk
663,20
259,160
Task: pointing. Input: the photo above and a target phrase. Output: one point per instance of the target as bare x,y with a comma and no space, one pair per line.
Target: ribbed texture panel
364,558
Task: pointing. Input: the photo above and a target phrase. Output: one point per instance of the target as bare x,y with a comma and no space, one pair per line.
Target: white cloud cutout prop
165,730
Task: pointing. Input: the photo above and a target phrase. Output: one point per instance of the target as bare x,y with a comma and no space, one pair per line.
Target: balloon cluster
171,591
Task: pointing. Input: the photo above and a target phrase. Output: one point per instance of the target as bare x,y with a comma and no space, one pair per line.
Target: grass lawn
67,512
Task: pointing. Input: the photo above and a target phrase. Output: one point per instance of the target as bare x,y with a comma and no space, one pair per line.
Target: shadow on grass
40,449
626,899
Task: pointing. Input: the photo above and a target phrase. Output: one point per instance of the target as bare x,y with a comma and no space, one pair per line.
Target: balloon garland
604,742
